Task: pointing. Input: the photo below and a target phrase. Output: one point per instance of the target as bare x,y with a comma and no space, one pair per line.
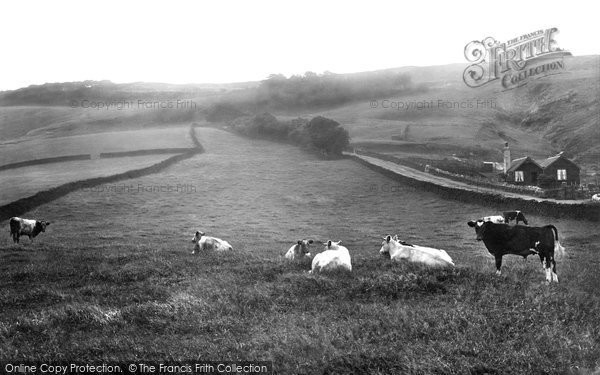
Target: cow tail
559,250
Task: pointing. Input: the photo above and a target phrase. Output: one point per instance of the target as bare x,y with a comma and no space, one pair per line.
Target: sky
235,41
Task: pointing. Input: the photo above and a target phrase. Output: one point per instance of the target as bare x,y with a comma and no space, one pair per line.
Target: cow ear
471,223
395,237
197,232
299,242
47,223
310,241
388,238
329,243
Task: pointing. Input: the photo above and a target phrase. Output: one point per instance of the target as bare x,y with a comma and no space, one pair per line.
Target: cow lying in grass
499,219
335,257
502,239
300,250
428,256
25,227
204,243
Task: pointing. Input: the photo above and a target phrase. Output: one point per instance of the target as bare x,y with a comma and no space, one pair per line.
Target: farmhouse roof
517,163
549,161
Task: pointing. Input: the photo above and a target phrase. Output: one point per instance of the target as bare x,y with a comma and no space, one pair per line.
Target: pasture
26,181
24,149
113,277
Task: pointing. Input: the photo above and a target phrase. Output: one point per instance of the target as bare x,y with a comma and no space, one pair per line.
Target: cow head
303,247
197,236
385,245
40,226
479,226
331,245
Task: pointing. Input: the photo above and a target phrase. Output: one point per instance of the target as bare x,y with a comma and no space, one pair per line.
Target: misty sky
231,41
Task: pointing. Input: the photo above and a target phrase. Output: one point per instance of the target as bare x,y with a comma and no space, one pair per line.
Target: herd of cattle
499,237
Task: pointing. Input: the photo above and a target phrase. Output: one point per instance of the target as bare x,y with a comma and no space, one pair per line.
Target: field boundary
115,154
150,151
24,205
578,211
56,159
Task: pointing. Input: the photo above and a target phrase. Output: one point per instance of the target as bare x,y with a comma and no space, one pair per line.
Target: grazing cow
299,250
494,219
334,257
399,250
596,198
25,227
502,239
203,243
514,215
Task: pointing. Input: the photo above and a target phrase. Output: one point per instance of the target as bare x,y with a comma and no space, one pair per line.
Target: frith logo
515,62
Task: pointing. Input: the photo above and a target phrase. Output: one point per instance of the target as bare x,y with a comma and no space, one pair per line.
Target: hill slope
440,116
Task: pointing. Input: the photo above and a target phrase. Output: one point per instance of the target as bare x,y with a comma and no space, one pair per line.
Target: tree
327,135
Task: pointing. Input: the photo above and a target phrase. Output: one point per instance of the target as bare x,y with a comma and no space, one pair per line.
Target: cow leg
548,264
554,275
498,265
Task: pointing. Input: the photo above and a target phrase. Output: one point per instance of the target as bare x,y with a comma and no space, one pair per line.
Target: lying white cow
334,257
498,219
300,250
416,254
596,198
203,243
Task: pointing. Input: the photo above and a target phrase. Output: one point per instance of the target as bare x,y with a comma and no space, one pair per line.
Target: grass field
113,277
26,181
14,151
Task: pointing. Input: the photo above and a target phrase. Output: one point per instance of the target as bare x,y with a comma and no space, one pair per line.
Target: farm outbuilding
524,171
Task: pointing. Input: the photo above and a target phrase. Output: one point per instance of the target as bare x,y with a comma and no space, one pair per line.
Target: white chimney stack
507,159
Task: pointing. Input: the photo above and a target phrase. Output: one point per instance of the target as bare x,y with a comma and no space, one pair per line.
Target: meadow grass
113,278
26,181
13,151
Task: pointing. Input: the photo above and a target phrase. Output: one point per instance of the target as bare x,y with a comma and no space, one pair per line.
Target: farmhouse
526,171
561,169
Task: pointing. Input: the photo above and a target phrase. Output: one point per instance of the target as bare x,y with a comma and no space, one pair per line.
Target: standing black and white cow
514,215
502,239
25,227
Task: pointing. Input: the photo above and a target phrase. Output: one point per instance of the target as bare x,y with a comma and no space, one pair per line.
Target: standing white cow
334,257
203,242
300,250
399,250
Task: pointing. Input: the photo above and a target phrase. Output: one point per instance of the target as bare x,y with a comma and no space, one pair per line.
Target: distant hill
62,94
548,115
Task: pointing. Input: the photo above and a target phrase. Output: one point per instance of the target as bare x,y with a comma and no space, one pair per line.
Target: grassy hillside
546,116
26,181
113,277
29,148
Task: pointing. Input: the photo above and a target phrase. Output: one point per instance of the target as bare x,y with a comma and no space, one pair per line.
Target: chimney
507,159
